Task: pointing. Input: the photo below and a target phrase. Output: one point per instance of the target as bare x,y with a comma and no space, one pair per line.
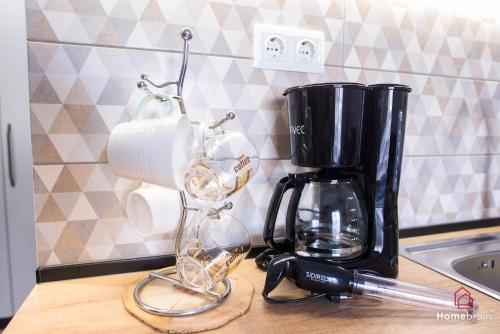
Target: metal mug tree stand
215,298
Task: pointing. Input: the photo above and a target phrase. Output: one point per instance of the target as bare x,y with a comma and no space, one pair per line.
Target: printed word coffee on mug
242,164
224,166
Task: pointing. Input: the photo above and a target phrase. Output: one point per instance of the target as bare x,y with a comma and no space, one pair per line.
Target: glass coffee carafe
326,217
330,220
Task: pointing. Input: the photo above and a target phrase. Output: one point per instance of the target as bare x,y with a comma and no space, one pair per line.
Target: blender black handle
279,268
282,186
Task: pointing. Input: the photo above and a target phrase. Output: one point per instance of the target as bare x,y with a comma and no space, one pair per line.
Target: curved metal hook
229,116
187,35
215,212
142,85
165,84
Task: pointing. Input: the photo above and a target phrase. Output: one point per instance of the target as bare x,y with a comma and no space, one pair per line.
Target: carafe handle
282,186
291,214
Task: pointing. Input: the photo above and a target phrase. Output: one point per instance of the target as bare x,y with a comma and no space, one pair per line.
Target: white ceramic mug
152,210
155,151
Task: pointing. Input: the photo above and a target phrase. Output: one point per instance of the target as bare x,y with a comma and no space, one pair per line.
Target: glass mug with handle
212,246
224,162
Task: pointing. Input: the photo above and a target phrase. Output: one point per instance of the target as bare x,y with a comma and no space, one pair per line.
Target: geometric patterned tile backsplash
221,27
408,36
434,190
79,93
446,116
81,215
85,58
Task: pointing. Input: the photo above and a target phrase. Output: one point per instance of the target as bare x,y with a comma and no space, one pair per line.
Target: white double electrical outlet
288,49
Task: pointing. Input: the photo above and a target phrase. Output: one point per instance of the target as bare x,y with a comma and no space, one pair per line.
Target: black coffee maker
344,214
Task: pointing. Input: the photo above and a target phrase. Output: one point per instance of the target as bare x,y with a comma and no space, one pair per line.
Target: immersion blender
330,280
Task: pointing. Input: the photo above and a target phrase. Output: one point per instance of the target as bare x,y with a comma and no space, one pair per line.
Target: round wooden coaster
164,295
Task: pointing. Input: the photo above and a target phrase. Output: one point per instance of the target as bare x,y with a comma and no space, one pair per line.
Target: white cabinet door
15,151
5,285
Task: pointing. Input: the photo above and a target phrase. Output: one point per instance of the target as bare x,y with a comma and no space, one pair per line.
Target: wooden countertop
93,305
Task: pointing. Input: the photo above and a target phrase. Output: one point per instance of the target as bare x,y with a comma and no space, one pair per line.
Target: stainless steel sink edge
455,276
448,243
450,250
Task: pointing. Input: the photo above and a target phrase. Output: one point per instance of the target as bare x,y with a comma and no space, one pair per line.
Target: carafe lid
322,178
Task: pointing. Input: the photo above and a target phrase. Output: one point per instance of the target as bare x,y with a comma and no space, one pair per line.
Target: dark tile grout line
343,40
134,48
250,58
70,163
281,159
451,155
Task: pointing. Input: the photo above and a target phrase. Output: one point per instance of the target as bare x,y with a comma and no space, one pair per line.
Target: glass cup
212,245
224,163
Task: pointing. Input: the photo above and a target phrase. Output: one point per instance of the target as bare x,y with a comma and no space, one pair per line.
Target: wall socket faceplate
288,49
